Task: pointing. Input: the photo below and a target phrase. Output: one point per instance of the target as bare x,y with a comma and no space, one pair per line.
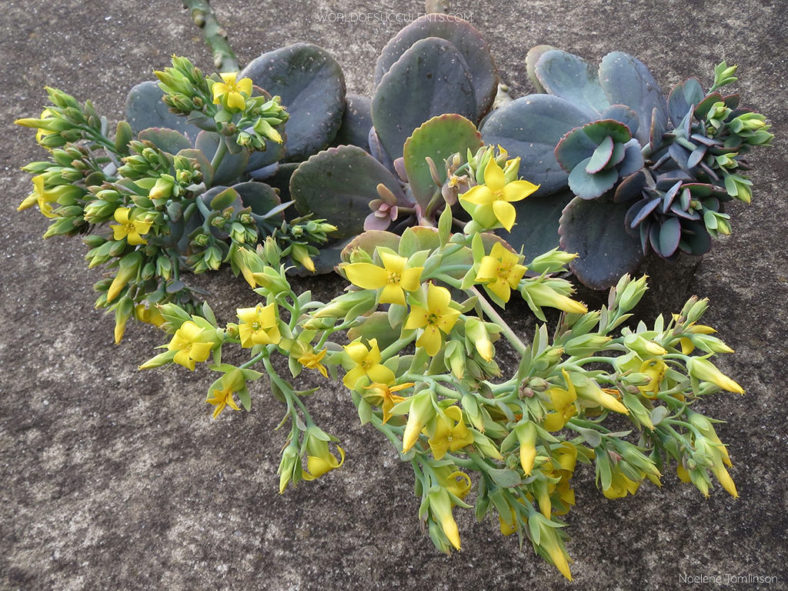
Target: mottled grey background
115,479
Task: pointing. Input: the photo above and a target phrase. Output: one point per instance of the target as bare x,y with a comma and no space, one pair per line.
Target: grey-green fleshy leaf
595,231
536,230
167,140
628,81
312,87
568,76
144,109
231,166
337,184
683,98
261,198
530,127
356,122
468,41
590,186
431,78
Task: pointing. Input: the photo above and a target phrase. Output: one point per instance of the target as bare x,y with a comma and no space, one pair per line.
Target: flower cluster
422,329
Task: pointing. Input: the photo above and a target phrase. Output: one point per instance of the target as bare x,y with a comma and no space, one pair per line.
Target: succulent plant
643,173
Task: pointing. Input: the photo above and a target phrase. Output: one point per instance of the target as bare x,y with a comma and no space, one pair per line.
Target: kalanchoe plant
414,340
623,171
159,202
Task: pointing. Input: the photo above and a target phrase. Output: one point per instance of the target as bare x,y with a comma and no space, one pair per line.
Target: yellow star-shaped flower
221,399
500,271
312,360
230,92
258,325
387,397
438,317
490,204
366,364
40,196
450,433
394,277
128,228
191,344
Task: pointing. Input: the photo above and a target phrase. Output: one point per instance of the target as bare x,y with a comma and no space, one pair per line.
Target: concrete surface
116,479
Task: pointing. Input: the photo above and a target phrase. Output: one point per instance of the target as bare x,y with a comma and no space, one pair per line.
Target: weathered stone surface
116,479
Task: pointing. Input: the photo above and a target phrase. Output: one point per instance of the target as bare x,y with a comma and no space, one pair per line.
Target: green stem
215,36
221,150
493,315
397,346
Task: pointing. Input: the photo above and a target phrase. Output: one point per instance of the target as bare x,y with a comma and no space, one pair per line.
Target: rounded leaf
356,122
337,184
438,138
232,165
468,41
431,78
312,87
144,109
167,140
568,76
595,231
536,230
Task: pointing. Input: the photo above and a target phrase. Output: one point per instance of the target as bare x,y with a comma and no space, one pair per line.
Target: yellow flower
620,486
42,132
704,370
387,397
41,196
655,369
319,459
450,433
437,317
394,277
191,343
150,315
131,230
312,360
258,325
231,92
562,403
221,399
367,364
491,203
526,436
441,509
500,271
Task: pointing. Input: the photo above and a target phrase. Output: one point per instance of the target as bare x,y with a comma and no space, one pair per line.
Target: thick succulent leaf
568,76
325,260
144,109
659,126
431,78
601,156
590,186
369,241
623,114
595,231
468,41
639,212
683,98
418,238
375,326
205,165
530,127
337,184
573,148
379,152
232,165
281,179
627,81
669,236
633,159
536,230
312,88
273,153
630,187
261,198
167,140
356,122
695,239
531,59
438,138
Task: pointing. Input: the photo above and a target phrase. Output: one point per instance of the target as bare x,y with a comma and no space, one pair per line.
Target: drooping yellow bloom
311,360
437,317
706,371
655,369
258,325
387,398
366,364
450,433
562,405
441,509
687,346
191,343
491,203
590,391
394,277
130,229
221,398
150,315
319,459
526,436
230,91
620,486
41,196
500,271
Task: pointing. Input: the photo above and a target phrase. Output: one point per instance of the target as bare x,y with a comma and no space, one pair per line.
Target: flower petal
505,213
381,374
478,195
366,275
411,278
493,176
430,340
517,190
392,294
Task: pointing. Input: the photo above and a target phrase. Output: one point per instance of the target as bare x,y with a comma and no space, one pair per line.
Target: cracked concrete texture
116,479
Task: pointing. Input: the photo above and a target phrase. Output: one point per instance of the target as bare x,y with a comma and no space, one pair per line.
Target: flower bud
705,371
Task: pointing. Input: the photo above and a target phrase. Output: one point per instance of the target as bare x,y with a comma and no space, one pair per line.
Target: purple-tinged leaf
623,114
696,156
669,196
568,76
601,156
633,159
640,211
669,236
630,187
683,98
591,186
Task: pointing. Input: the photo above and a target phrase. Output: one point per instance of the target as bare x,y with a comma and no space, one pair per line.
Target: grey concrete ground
115,479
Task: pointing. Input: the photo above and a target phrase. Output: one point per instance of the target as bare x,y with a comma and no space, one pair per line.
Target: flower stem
215,36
